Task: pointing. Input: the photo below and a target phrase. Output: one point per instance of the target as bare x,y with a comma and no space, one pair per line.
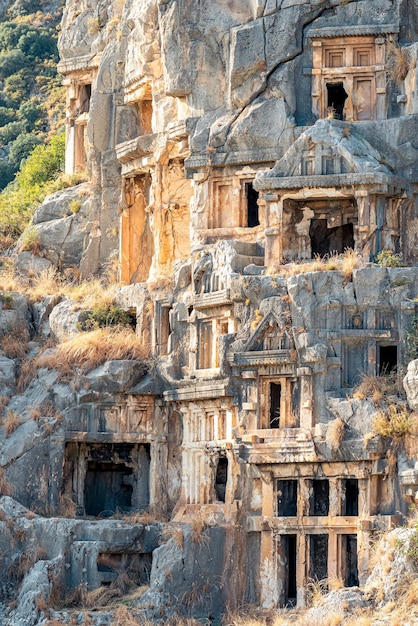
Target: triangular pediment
328,148
270,335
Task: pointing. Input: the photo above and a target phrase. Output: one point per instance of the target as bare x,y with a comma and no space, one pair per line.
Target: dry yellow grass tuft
378,388
89,350
394,422
5,488
11,422
344,263
14,343
335,433
398,62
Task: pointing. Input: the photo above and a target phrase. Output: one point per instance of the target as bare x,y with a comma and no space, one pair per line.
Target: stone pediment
270,336
328,154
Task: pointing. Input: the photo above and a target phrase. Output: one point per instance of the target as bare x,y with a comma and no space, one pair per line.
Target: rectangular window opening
221,479
318,557
275,399
350,496
388,359
287,498
289,555
251,196
350,561
319,500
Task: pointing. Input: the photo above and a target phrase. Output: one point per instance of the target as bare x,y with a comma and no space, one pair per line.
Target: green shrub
387,258
11,62
6,174
6,115
30,112
30,240
21,147
104,315
75,206
10,131
34,181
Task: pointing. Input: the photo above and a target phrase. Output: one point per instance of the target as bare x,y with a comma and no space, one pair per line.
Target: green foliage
10,131
387,258
44,163
30,112
18,86
6,173
11,62
103,315
75,206
32,101
34,181
21,147
30,240
6,115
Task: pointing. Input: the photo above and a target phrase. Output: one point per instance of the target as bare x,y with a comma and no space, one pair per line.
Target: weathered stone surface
410,383
116,376
64,318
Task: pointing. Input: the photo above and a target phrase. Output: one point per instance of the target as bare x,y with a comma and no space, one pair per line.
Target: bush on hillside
21,147
31,185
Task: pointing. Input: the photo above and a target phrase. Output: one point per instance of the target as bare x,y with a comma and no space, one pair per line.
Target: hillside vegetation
32,100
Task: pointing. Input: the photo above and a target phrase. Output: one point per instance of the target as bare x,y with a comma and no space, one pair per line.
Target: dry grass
89,350
198,526
5,488
394,422
66,284
398,62
378,388
344,263
14,343
335,433
11,422
67,507
124,617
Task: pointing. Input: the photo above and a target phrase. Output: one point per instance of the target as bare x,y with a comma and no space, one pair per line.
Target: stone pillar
306,397
333,555
334,497
268,570
301,568
274,229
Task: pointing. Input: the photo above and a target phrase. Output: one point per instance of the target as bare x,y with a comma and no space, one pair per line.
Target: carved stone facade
228,161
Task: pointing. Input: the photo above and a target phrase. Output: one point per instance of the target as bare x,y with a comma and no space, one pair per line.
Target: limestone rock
410,383
64,318
116,376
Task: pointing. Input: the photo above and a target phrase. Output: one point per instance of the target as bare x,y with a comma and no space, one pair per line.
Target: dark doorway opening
107,488
326,240
275,398
318,553
287,498
336,99
319,500
134,568
350,497
221,479
289,549
251,196
349,550
388,359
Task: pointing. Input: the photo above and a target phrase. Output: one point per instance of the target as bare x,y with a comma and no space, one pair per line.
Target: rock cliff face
229,145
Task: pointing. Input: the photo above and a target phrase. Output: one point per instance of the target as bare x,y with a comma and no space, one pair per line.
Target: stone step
247,248
240,261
